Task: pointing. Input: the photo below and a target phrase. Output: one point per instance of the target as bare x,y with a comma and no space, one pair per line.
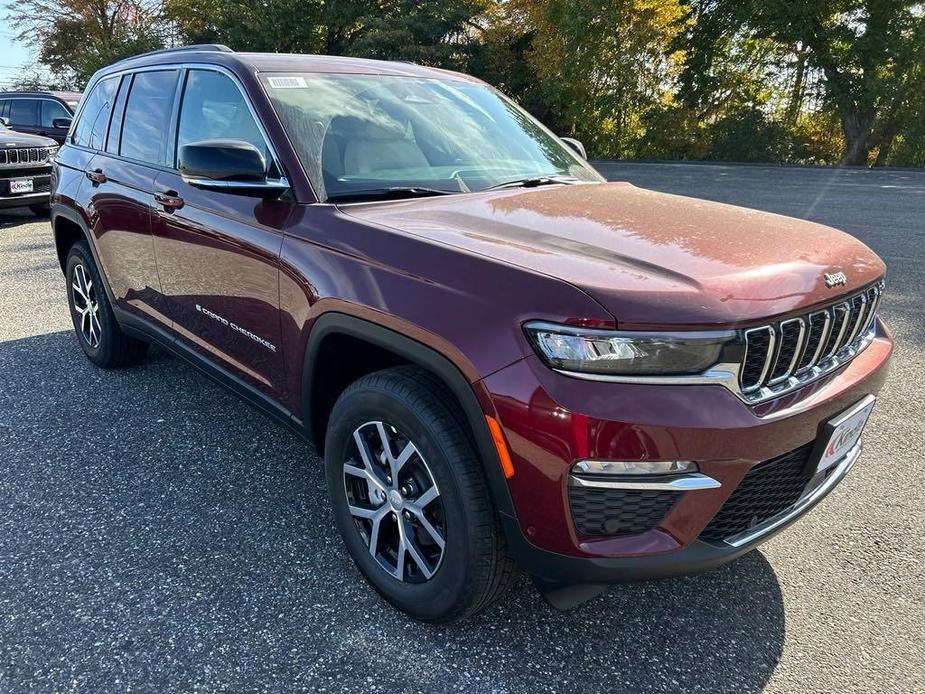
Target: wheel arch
390,348
67,232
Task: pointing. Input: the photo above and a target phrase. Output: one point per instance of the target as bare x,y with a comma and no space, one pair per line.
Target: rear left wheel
100,336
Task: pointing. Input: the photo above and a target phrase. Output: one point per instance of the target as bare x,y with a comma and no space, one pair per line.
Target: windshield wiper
534,181
390,193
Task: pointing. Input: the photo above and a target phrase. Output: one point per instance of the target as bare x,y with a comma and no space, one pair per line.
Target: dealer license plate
842,433
21,185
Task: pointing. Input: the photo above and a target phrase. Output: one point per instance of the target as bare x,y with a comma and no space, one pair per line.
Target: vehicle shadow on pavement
158,534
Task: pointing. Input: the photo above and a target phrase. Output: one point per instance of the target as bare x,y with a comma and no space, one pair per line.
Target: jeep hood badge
834,279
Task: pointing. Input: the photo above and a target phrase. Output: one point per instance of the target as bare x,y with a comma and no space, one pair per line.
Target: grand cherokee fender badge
835,279
238,329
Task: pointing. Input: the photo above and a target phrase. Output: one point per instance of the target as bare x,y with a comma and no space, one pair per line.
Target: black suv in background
25,169
40,113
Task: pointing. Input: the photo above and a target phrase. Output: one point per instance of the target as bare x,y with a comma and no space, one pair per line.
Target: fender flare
334,323
70,214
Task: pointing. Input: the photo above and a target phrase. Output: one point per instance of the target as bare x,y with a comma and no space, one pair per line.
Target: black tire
102,340
40,210
473,570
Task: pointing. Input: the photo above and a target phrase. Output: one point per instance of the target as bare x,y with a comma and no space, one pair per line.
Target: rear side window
214,108
24,112
94,117
147,116
50,111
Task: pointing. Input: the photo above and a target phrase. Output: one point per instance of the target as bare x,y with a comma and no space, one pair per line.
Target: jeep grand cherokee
505,361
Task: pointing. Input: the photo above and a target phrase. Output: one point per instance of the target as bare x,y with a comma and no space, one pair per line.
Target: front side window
24,112
357,133
147,116
94,116
213,108
52,110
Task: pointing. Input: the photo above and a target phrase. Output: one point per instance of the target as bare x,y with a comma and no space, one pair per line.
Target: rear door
24,114
218,252
131,151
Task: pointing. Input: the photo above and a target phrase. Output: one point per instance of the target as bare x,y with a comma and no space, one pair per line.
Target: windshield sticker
287,82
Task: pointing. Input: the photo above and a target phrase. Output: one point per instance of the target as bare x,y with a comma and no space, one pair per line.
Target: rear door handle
170,200
97,176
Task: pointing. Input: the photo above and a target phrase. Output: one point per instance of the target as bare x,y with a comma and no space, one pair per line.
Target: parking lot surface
157,534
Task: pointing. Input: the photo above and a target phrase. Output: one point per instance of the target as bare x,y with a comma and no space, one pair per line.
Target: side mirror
576,145
5,122
230,166
61,123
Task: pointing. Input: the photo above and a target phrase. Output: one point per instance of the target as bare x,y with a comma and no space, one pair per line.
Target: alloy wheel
395,503
87,307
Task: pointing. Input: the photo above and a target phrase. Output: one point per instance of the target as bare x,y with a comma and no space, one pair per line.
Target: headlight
627,353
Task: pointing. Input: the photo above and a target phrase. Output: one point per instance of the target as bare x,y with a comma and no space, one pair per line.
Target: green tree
439,33
275,26
865,49
74,38
598,65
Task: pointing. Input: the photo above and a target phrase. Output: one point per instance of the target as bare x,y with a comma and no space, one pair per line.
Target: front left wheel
410,497
98,333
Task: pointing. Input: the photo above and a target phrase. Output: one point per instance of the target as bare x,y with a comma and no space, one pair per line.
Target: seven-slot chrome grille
15,156
790,352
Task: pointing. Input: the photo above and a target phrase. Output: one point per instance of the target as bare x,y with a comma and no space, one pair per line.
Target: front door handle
169,200
97,176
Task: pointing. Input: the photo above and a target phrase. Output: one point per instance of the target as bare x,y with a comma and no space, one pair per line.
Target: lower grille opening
768,489
618,511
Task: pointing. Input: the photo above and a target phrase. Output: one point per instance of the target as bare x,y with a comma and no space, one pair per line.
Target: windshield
358,134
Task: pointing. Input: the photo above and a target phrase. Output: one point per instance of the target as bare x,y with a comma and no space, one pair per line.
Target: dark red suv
505,360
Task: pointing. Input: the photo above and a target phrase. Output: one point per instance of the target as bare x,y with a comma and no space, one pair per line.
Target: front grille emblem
835,279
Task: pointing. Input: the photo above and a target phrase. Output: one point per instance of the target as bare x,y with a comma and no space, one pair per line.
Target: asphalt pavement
159,535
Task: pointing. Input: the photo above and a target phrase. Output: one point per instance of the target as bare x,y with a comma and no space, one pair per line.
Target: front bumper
550,421
25,200
41,181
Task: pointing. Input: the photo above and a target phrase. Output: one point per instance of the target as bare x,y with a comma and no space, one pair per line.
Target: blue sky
13,55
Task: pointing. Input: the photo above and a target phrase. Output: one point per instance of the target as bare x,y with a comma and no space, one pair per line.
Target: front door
218,253
50,113
132,151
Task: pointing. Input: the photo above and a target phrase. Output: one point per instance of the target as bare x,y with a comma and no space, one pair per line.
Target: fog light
634,467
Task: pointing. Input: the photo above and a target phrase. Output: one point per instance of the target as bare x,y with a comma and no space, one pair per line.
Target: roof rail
218,47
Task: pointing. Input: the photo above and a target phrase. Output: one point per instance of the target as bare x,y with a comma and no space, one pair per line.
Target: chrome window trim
179,67
269,184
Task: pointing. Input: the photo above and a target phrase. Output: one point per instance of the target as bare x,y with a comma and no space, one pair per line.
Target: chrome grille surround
23,156
847,328
760,347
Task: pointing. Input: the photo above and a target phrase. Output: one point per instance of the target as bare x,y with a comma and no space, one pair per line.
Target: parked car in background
25,169
47,114
506,361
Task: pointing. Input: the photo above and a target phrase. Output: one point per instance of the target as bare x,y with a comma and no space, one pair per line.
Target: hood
652,259
11,138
